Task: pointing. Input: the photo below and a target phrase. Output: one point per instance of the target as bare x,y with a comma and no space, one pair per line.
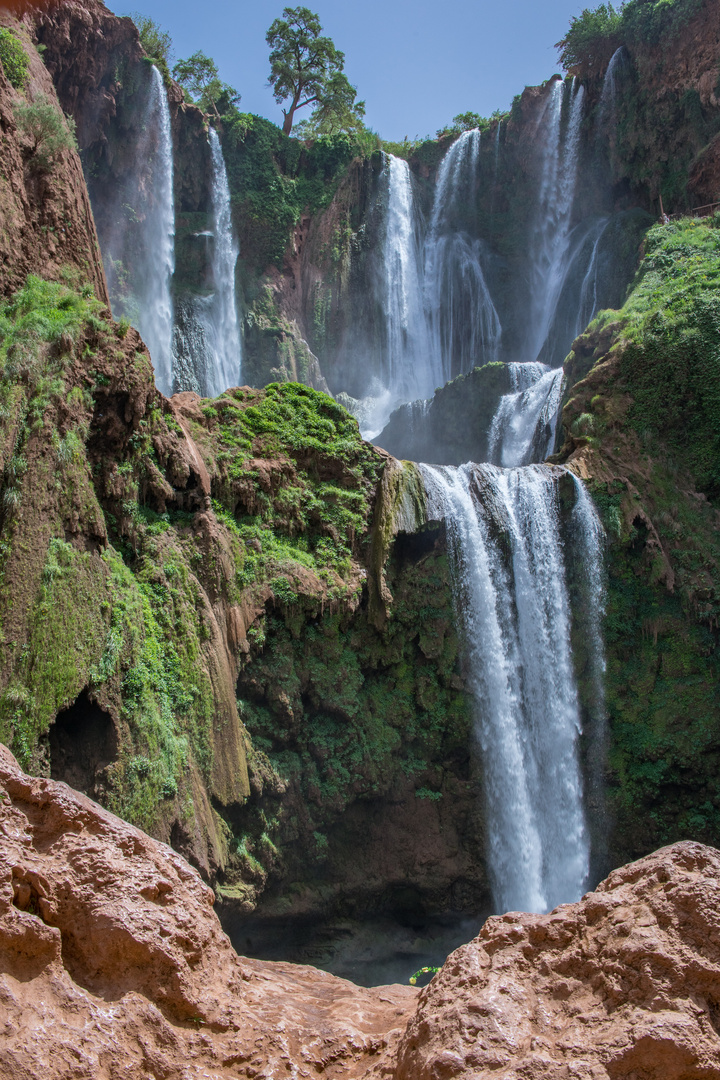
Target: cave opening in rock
83,742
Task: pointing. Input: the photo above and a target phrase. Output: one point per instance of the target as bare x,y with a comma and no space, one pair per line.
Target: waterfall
524,424
156,261
506,548
549,243
226,332
588,305
610,96
464,325
408,370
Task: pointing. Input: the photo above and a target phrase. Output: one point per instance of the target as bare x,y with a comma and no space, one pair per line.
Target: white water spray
226,371
516,616
524,424
607,110
408,367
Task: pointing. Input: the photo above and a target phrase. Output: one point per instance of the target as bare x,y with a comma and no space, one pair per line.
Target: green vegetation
317,515
306,67
654,414
593,37
274,179
596,33
49,131
199,78
156,42
345,711
413,980
672,364
14,59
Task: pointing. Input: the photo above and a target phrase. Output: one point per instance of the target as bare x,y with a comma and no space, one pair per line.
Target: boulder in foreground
113,965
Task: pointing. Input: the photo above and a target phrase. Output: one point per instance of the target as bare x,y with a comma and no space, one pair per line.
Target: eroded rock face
113,963
623,984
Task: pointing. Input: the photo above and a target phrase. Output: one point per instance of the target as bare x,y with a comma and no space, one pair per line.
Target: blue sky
417,63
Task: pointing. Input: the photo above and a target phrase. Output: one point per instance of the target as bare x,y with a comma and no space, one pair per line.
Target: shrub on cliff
13,58
49,131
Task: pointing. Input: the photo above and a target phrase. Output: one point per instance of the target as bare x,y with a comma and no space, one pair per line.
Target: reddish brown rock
113,963
47,222
624,984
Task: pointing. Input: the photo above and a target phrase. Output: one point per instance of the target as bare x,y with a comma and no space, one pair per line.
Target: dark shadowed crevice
83,742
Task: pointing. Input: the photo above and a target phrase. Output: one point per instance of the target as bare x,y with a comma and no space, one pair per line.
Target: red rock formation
113,965
624,984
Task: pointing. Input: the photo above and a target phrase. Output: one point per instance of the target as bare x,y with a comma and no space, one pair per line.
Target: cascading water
137,236
523,427
550,240
506,546
226,331
464,325
408,371
607,109
207,345
156,262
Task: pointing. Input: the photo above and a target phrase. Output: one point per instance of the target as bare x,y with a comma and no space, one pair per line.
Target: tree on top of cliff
592,38
307,68
199,78
156,42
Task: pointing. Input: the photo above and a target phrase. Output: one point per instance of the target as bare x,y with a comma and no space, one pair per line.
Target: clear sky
416,63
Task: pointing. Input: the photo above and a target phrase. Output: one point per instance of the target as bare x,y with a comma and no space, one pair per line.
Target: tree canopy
199,78
307,69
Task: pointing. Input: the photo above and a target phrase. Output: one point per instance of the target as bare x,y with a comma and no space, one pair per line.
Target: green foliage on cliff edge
596,33
274,179
653,409
672,361
14,59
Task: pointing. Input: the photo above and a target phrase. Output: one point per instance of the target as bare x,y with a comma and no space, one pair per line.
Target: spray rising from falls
516,616
224,325
523,427
155,264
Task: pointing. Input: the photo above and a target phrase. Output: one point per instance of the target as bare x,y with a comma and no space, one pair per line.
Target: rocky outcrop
47,222
113,963
454,425
623,984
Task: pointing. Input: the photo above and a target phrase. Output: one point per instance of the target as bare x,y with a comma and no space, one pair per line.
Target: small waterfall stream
408,364
506,547
523,427
156,263
607,109
226,369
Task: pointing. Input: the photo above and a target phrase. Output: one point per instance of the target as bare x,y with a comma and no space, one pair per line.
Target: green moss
672,362
345,711
66,636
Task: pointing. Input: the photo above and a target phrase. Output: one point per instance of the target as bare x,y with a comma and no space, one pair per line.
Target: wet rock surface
113,964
